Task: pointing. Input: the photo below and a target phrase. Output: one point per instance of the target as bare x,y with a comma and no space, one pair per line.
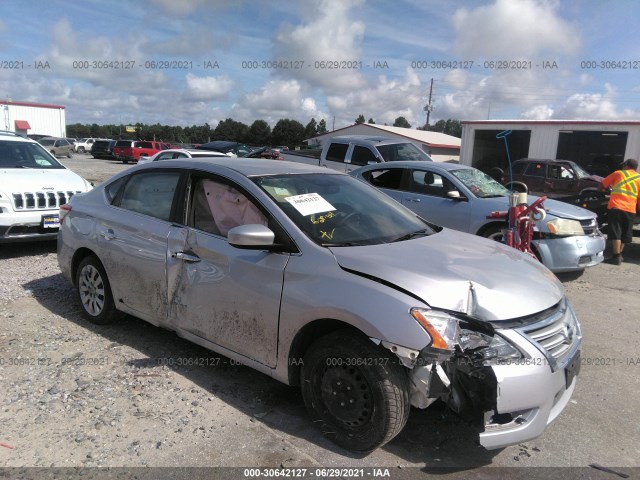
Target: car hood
459,272
38,179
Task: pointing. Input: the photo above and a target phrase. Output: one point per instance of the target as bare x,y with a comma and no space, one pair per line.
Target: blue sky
497,59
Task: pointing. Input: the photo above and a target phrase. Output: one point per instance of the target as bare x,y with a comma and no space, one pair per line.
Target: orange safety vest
624,193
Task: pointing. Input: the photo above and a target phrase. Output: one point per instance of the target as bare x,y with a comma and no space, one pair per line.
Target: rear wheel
94,292
81,150
357,392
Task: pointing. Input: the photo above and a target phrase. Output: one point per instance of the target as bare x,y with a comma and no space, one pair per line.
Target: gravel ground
130,394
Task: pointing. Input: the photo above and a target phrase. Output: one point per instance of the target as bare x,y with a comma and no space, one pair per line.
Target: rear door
132,240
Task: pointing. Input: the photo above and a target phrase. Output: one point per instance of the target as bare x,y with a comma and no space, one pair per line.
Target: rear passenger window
362,156
150,194
387,178
536,170
337,152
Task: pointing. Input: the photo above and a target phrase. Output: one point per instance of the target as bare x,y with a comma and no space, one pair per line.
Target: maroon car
553,178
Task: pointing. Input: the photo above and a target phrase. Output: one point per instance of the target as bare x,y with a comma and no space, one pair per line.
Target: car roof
541,160
442,166
244,166
368,139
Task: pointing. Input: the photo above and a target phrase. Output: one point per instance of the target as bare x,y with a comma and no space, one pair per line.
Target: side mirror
254,236
455,195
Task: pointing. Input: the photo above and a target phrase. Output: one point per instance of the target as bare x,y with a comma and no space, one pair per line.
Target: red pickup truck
131,150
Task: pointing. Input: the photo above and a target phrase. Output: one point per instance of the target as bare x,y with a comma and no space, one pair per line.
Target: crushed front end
510,378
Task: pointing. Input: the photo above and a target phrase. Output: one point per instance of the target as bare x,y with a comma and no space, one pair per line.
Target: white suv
85,144
34,185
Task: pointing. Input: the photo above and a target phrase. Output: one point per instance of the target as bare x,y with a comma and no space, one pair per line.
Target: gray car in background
319,280
463,198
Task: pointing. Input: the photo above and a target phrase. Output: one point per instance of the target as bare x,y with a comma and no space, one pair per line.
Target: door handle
187,257
413,199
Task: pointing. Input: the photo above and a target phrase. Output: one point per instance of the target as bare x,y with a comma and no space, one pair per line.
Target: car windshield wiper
344,244
409,236
494,195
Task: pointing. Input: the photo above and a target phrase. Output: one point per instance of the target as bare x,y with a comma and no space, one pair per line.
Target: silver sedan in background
319,280
464,198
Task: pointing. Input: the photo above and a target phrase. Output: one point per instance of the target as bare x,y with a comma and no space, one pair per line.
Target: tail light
64,211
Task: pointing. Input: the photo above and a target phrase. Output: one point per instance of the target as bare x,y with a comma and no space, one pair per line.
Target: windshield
580,172
338,210
25,155
480,184
397,152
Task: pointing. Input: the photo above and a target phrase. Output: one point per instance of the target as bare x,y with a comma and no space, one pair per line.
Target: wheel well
78,256
490,226
305,337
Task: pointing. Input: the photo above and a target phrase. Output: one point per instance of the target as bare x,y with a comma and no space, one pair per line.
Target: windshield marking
309,204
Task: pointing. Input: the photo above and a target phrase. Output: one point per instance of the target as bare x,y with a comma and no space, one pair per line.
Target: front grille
557,336
41,200
590,226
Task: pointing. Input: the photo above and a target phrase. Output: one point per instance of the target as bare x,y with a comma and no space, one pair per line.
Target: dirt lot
129,394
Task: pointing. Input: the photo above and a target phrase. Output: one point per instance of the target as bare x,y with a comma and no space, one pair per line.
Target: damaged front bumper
509,400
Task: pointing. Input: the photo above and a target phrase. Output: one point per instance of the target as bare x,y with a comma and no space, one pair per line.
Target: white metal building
440,146
33,118
598,146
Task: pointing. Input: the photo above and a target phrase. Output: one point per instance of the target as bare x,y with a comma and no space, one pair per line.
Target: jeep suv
348,152
34,185
131,150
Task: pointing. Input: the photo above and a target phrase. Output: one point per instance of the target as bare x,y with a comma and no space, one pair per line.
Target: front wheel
494,232
357,392
94,292
81,150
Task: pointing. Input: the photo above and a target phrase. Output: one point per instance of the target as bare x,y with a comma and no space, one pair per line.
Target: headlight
562,226
488,348
441,327
445,333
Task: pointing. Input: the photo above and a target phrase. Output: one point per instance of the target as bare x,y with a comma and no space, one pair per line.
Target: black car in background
102,149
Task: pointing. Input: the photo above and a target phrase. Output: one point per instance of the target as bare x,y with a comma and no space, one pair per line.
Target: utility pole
428,107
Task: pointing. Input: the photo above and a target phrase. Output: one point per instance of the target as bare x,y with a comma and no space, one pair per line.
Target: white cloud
277,99
207,88
514,30
179,7
540,112
384,101
328,35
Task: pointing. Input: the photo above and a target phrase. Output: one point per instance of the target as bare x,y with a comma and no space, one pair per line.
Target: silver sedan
322,281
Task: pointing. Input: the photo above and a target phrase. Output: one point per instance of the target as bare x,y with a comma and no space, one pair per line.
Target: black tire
357,392
80,149
494,232
69,154
94,292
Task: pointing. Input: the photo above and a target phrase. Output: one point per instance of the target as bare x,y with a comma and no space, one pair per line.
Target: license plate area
51,221
572,369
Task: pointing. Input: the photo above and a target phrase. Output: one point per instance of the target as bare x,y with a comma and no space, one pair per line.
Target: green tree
401,122
231,130
371,121
450,127
311,130
287,132
259,133
360,119
322,127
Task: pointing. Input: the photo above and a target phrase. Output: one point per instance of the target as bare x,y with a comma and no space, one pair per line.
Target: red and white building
27,118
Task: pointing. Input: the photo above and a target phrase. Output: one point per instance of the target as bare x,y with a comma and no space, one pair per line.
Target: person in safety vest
623,204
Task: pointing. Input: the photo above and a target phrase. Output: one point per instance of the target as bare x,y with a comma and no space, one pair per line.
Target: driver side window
217,207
